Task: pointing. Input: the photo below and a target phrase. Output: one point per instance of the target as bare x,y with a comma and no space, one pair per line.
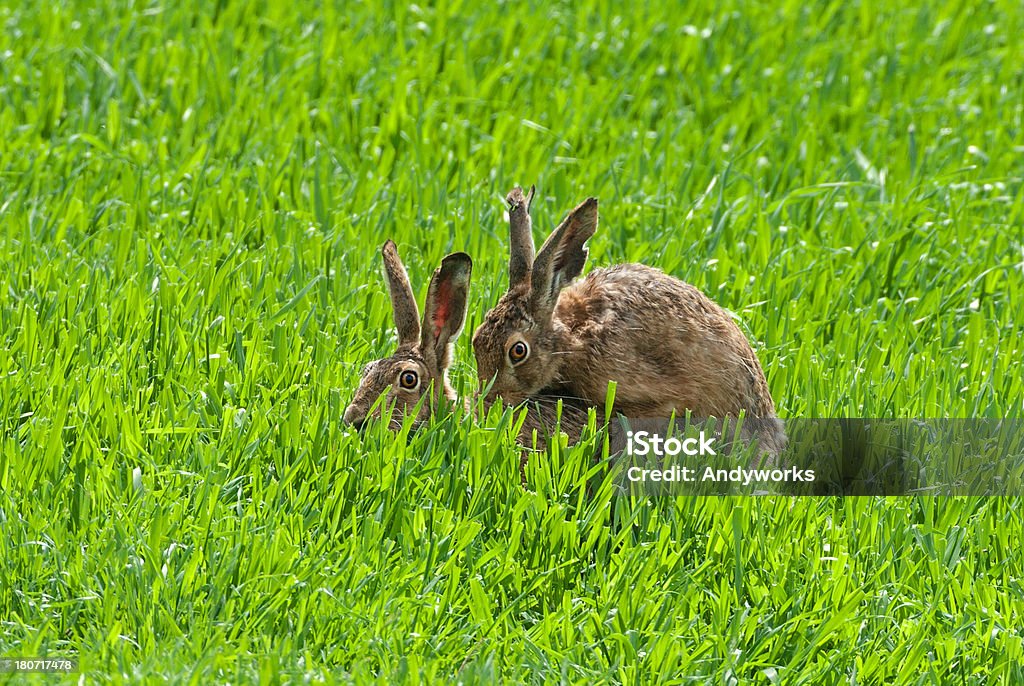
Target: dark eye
518,352
409,379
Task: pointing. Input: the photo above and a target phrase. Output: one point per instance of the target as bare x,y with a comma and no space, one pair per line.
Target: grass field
192,200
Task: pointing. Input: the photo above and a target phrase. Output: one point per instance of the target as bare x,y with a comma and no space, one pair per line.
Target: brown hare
667,346
420,364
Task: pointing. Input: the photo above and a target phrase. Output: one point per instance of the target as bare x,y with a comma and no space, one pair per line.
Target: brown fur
667,346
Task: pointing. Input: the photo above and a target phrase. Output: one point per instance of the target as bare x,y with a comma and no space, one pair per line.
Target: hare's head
519,345
420,364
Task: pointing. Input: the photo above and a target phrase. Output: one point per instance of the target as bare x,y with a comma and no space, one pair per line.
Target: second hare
420,364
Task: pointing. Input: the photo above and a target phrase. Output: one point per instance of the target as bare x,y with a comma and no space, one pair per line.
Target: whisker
556,398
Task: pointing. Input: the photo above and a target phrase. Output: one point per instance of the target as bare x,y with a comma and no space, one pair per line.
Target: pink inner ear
444,298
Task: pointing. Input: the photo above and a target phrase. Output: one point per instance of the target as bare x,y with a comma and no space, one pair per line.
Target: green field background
192,201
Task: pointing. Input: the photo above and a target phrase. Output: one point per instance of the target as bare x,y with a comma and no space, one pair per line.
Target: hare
667,346
420,364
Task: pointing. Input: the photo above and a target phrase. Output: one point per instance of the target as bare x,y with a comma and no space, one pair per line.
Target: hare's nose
354,417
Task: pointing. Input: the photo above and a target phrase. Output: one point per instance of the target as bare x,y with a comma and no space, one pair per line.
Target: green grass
192,200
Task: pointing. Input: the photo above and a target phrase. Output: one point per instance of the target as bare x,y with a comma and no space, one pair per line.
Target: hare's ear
445,311
520,228
403,302
561,258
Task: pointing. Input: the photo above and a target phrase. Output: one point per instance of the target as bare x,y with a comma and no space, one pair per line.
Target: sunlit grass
192,201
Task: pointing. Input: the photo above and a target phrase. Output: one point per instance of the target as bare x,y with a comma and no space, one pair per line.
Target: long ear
445,311
403,302
520,229
561,258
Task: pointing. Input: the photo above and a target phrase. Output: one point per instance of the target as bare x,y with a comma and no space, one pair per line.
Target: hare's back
642,299
666,344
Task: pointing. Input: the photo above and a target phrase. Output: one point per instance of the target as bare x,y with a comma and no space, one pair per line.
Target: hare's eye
518,352
409,380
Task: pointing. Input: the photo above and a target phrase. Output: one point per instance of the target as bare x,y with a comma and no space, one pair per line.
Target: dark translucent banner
819,456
